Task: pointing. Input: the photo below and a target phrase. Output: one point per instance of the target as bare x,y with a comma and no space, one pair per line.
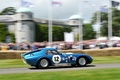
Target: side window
54,52
49,52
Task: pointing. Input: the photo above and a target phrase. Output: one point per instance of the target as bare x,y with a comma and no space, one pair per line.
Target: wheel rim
44,63
82,61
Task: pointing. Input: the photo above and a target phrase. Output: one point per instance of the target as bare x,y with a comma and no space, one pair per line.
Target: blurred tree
8,11
3,27
58,32
4,33
88,32
104,22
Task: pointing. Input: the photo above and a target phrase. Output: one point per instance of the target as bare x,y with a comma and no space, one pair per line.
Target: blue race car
45,57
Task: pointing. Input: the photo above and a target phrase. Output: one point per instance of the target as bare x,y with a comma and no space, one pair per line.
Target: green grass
107,59
18,63
97,74
12,63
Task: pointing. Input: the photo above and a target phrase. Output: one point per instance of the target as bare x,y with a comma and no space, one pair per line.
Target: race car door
56,57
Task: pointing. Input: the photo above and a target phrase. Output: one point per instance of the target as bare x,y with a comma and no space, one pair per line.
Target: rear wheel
43,63
81,61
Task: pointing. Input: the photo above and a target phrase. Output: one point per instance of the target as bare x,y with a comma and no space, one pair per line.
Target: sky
68,8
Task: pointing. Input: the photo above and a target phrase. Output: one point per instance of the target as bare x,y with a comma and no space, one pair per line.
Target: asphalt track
62,68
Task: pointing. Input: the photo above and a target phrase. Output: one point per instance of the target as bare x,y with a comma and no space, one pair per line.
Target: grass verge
107,59
97,74
12,63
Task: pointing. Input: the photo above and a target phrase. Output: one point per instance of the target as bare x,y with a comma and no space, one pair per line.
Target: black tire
81,61
43,63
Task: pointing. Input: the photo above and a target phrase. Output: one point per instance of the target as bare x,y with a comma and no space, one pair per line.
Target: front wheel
43,63
81,61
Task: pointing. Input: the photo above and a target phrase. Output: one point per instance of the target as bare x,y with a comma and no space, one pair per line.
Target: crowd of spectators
88,44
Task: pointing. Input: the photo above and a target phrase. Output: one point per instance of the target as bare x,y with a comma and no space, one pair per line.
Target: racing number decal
56,59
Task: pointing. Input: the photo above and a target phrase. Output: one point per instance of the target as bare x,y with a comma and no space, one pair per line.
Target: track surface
62,68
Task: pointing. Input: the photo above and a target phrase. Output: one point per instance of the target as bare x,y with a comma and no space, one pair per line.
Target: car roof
48,49
43,49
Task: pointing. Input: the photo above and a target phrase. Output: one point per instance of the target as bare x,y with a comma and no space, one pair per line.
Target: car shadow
61,67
